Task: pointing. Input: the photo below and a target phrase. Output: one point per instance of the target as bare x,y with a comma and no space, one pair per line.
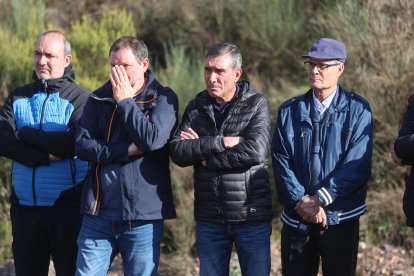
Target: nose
314,69
212,77
41,59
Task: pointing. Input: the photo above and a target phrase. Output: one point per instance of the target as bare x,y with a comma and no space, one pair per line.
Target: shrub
91,40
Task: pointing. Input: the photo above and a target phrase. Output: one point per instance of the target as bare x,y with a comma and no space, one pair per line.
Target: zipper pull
44,82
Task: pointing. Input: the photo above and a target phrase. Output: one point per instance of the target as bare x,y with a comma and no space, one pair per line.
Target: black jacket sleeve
254,149
11,147
193,151
59,143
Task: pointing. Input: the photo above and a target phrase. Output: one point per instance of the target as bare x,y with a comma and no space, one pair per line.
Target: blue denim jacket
346,153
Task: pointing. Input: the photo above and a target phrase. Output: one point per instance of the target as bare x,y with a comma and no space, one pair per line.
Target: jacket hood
104,93
55,84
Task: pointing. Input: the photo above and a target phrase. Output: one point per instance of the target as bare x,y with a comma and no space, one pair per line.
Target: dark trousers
40,233
336,246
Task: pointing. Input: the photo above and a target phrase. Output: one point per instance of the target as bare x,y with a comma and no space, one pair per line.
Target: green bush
91,40
183,73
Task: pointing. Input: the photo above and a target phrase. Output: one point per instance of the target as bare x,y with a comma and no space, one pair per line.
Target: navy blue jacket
36,120
104,133
404,149
346,153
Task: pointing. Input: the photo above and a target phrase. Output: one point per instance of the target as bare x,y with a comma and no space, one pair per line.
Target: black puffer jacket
234,184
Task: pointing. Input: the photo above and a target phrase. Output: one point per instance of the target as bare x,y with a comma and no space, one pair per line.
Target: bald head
51,55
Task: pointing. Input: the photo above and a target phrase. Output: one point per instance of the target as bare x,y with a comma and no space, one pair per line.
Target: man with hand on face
37,131
124,132
225,135
322,150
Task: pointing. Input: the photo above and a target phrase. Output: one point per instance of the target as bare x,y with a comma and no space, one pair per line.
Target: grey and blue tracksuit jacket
345,154
36,120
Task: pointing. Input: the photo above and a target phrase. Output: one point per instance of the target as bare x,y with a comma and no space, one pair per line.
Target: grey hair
66,43
227,48
137,46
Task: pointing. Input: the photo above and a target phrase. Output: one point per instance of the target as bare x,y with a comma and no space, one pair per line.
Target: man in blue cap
321,151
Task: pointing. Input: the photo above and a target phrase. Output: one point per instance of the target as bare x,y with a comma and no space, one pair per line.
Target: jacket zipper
97,174
42,114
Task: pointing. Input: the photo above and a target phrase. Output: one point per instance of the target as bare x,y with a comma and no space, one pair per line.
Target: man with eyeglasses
321,151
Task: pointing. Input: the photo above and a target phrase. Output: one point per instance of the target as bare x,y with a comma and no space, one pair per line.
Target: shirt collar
321,107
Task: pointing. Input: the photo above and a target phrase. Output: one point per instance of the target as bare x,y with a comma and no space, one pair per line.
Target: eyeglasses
309,66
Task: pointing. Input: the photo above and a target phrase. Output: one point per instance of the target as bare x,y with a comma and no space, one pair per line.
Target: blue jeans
101,238
252,241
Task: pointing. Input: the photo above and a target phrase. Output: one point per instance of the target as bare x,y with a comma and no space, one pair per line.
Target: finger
111,78
115,75
122,73
190,130
185,135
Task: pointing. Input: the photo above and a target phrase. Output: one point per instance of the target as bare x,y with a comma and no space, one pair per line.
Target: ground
383,260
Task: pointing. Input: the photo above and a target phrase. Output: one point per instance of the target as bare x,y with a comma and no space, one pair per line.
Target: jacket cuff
325,196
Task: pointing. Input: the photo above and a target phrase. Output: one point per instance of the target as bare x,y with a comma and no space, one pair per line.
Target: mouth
43,70
212,88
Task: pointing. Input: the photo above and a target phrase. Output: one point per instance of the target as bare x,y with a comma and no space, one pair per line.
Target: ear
145,63
341,69
68,60
238,74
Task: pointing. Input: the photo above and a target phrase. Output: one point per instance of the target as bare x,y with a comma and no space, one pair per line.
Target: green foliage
269,33
5,240
91,40
28,16
16,69
183,73
267,27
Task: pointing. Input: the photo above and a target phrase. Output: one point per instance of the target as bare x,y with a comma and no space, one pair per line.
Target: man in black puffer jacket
224,134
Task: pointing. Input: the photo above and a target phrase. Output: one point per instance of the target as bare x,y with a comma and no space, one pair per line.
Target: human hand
121,86
310,210
189,134
231,141
395,159
134,150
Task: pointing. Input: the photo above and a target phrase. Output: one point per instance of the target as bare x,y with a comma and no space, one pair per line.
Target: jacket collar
339,104
245,91
55,84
